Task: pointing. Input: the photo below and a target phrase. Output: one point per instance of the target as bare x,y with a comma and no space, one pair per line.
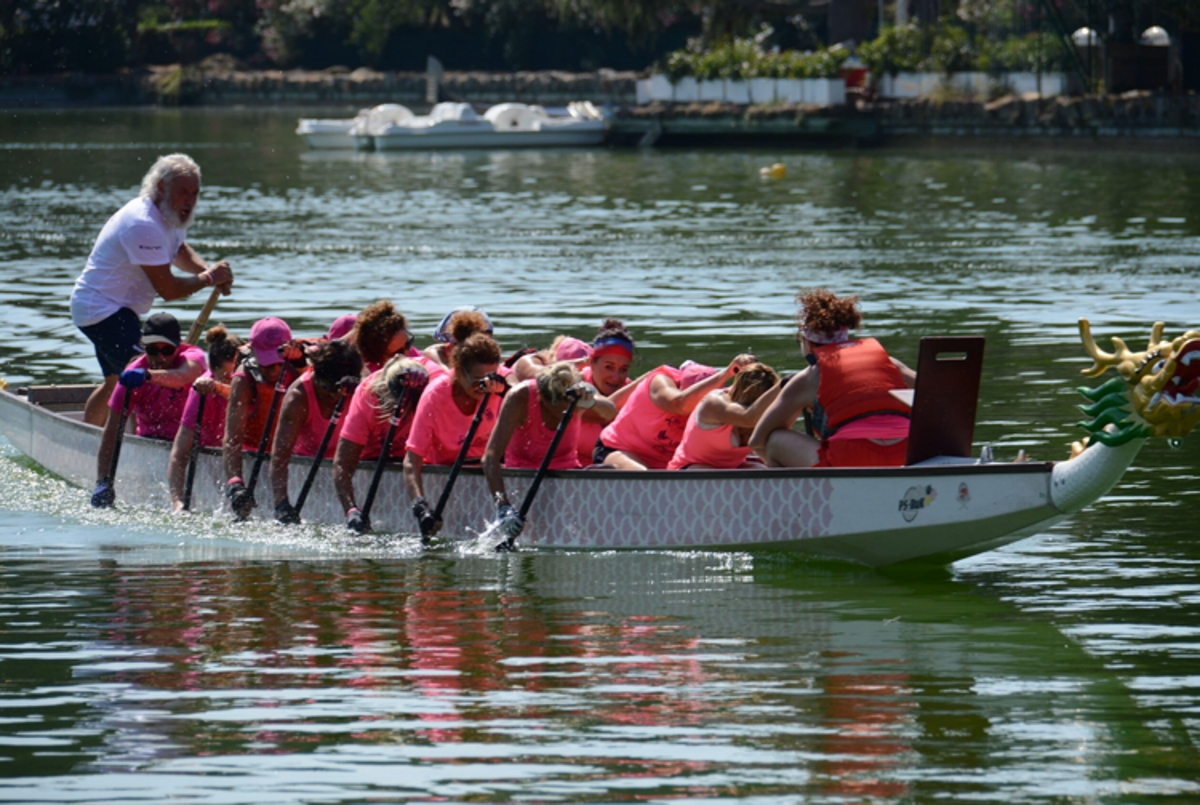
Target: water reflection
594,676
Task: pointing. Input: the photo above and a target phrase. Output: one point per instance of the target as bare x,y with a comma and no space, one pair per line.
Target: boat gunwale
771,473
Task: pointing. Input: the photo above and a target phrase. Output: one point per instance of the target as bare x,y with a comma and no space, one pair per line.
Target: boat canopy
513,116
461,112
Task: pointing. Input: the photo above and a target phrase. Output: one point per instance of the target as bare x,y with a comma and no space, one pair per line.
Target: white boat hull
872,516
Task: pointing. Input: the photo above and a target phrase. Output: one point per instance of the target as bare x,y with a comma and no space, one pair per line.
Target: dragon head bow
1157,392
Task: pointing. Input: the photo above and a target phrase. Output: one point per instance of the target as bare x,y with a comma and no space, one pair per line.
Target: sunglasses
165,350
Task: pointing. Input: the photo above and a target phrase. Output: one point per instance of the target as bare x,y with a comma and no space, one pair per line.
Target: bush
744,59
897,49
951,50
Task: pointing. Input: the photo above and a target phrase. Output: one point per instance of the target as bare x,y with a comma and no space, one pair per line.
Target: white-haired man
131,264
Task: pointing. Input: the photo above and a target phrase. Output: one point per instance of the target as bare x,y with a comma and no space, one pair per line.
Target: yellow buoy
776,171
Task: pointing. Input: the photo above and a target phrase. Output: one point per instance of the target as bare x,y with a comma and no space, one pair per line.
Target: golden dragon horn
1103,360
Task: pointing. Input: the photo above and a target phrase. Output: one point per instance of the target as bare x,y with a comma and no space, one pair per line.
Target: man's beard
172,218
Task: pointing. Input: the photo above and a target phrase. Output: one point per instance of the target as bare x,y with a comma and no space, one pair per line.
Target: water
144,657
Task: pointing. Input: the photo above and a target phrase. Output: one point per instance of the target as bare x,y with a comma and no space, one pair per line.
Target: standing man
131,264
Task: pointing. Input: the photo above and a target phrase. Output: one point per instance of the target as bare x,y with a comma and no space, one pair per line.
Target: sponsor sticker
916,499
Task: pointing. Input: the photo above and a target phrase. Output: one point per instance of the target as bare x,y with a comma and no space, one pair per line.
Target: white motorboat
393,127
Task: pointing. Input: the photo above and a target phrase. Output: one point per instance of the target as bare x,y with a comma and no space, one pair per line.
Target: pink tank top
644,430
366,424
212,427
531,440
713,448
313,429
589,431
158,408
439,428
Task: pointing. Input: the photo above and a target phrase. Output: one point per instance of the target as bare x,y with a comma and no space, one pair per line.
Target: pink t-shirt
531,440
366,423
589,431
713,448
439,428
644,430
312,431
158,408
212,427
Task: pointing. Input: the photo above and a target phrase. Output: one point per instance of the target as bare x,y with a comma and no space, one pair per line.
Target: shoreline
1136,115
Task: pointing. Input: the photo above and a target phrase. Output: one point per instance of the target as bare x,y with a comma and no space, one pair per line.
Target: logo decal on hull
915,499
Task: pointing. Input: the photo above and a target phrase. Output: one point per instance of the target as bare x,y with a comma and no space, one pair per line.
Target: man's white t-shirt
136,236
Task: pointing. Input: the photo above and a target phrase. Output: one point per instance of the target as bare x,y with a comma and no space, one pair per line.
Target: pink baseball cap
572,349
692,373
266,337
341,326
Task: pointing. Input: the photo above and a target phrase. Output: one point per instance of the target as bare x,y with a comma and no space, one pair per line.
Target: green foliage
50,35
951,50
897,49
745,59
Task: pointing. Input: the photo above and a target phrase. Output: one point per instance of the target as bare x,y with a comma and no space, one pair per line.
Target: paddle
192,337
343,384
105,494
458,462
388,438
206,311
507,544
280,388
193,452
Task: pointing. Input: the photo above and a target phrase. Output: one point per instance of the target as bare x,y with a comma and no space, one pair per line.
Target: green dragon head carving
1156,394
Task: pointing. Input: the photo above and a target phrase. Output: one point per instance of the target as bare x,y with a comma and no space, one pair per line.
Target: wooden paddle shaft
194,334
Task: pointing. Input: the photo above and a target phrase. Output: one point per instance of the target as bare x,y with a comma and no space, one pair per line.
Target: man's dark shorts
116,340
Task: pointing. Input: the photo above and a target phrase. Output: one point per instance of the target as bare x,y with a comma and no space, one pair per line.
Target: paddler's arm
513,411
237,419
177,465
910,377
718,409
178,377
171,286
292,415
789,403
413,464
668,397
345,462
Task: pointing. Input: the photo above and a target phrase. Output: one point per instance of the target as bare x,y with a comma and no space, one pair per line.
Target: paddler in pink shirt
717,435
607,369
447,408
367,422
650,426
456,321
305,416
213,385
529,418
380,332
157,382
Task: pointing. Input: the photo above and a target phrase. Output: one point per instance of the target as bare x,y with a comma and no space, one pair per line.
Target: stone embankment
213,84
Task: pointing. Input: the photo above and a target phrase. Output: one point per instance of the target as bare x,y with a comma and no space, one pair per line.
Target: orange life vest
856,377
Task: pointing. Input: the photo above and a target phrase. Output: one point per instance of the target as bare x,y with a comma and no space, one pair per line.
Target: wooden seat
946,397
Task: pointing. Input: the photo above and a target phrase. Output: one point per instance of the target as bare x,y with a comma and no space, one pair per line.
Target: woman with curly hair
380,332
856,421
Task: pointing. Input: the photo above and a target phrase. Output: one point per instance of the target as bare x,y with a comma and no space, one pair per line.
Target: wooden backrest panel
946,396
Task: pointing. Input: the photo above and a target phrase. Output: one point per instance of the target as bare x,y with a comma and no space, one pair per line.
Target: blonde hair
555,380
752,382
388,383
166,170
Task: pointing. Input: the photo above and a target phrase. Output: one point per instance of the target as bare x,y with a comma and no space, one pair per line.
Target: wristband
352,510
208,278
235,480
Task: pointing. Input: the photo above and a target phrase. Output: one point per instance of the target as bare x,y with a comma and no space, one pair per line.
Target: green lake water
145,658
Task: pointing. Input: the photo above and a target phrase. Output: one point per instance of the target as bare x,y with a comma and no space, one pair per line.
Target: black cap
161,328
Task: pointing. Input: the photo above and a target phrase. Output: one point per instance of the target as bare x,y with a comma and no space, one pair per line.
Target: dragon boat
943,505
